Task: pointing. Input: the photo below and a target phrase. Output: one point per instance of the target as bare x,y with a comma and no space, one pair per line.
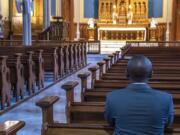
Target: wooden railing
57,31
10,42
158,33
153,43
94,47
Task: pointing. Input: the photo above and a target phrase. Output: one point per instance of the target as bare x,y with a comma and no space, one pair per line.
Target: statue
114,15
153,23
91,23
130,15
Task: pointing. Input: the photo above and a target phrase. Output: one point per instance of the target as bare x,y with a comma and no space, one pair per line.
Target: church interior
60,58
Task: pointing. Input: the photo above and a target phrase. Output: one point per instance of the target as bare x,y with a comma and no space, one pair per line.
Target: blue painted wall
91,8
53,7
155,8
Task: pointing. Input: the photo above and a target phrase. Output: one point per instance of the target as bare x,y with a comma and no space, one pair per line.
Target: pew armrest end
11,127
69,85
94,68
107,59
47,101
84,75
101,63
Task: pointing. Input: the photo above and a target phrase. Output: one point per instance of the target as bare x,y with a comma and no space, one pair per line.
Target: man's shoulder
155,92
161,93
117,92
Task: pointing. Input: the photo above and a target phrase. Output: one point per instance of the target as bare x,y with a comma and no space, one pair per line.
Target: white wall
58,7
4,8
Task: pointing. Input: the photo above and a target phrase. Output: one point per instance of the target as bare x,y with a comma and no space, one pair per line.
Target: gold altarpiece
117,10
123,20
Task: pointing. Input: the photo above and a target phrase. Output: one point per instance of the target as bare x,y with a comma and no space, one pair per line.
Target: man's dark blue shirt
139,110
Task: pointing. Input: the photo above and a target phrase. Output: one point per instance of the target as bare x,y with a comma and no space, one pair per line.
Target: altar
122,32
125,20
122,20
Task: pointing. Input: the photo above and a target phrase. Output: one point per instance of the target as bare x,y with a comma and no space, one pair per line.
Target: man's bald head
139,68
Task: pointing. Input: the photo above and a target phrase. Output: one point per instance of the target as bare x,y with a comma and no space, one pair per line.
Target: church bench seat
71,55
16,74
89,129
93,112
80,112
122,76
50,59
35,61
116,84
27,61
100,95
5,84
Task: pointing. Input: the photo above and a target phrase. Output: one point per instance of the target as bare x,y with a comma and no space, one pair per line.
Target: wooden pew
79,112
51,63
27,65
16,71
91,112
39,65
5,85
49,127
72,55
27,61
84,111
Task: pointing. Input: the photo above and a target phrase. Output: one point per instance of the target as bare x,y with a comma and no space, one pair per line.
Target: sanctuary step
108,47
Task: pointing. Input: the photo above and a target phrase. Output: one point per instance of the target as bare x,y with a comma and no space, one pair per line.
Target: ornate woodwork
126,20
122,32
117,11
68,16
175,29
134,32
57,31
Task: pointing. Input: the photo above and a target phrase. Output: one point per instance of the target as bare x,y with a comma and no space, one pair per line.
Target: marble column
46,13
27,34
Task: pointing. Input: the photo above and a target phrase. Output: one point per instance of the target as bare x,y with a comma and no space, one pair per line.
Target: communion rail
94,47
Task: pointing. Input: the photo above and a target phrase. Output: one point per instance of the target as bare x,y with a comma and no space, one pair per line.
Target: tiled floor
31,114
